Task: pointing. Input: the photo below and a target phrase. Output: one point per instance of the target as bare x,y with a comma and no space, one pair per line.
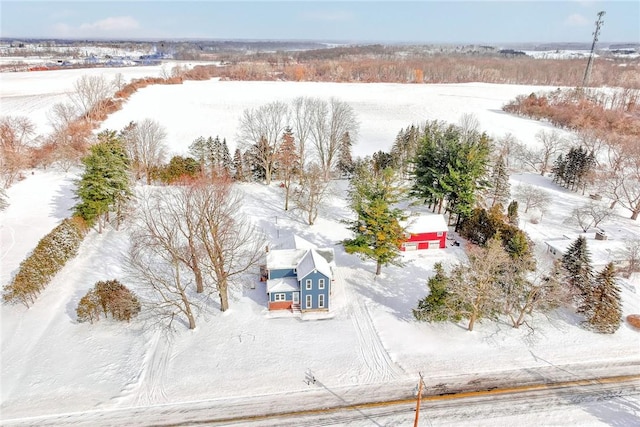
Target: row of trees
49,256
321,130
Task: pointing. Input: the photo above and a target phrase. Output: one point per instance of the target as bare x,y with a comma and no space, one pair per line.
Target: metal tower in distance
596,33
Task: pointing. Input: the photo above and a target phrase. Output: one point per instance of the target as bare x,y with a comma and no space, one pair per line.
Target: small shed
425,231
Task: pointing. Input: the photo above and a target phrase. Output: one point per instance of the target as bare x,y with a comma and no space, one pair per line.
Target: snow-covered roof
602,251
284,258
293,241
425,223
313,261
283,284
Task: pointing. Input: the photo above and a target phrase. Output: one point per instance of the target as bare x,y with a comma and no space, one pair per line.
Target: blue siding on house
285,272
288,296
315,291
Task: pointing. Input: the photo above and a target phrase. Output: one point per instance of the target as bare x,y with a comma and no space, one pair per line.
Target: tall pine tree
579,273
498,188
105,184
605,312
377,229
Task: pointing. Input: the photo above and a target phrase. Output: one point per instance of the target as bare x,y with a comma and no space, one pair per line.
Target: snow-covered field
213,108
34,93
50,364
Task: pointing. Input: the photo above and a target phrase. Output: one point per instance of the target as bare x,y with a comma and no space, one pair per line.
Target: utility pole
596,33
420,384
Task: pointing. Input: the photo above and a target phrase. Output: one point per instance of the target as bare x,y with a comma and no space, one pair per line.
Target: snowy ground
213,108
34,93
50,364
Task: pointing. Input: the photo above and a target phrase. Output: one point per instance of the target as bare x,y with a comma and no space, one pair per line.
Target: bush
110,297
634,320
50,255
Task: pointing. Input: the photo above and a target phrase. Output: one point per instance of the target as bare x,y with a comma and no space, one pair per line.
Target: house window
439,234
308,302
308,284
321,284
321,301
280,297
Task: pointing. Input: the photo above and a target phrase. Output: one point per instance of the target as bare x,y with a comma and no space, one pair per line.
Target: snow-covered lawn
51,364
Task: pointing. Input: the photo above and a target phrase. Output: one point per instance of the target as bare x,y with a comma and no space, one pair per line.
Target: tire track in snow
6,246
380,366
148,386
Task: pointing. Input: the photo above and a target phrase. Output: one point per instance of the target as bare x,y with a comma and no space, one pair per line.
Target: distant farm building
601,249
298,275
425,231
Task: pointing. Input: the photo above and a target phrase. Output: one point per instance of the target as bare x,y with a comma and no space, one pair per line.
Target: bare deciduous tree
311,192
261,131
231,244
532,197
475,289
145,143
539,159
590,215
632,254
89,93
157,257
16,134
301,113
527,292
505,147
330,122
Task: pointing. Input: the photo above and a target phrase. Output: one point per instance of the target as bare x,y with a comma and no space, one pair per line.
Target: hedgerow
50,255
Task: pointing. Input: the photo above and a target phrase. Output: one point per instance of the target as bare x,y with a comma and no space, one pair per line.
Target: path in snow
380,367
148,386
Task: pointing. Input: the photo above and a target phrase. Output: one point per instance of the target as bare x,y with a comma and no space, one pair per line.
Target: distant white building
601,249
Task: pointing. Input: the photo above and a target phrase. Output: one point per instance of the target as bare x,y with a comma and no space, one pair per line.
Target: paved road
455,400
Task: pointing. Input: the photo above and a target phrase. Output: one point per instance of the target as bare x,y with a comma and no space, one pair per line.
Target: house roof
293,241
284,258
425,223
313,261
283,284
601,251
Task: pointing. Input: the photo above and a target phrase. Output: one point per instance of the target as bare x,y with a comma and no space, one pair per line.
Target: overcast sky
355,21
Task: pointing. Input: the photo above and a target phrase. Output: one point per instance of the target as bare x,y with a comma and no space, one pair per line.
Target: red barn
427,231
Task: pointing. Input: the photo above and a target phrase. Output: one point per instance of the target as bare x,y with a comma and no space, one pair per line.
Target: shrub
110,297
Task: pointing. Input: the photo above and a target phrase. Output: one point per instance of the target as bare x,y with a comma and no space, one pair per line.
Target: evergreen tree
238,166
558,169
227,163
178,169
450,168
105,182
498,191
381,161
345,159
433,307
198,150
378,234
512,213
579,272
605,311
